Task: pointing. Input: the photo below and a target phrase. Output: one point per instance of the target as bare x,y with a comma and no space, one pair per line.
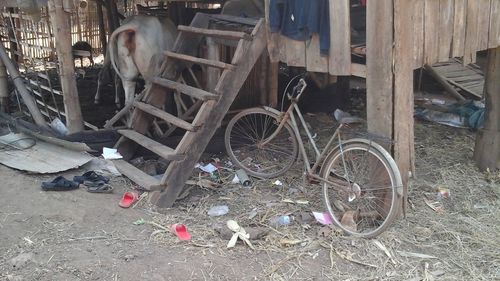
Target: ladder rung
156,147
213,63
236,35
186,89
174,120
139,177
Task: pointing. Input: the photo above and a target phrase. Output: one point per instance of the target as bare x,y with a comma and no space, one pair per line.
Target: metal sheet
41,158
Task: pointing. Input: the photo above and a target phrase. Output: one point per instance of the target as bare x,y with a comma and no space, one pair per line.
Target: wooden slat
379,60
156,147
459,27
494,31
295,52
418,33
358,70
282,48
446,13
340,38
314,61
139,177
212,63
272,38
169,118
471,44
431,31
235,35
484,24
186,89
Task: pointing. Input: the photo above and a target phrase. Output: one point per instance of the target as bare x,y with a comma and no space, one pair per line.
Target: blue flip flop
59,184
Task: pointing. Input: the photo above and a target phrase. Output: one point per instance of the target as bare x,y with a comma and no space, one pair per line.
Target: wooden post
4,91
62,32
403,89
487,150
379,80
102,28
28,99
213,74
273,84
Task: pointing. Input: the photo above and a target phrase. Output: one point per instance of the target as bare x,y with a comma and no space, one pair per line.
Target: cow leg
129,87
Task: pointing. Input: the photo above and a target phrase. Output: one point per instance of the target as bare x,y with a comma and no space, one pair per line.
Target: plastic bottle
217,211
281,220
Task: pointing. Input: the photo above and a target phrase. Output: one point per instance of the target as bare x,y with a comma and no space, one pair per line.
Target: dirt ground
78,235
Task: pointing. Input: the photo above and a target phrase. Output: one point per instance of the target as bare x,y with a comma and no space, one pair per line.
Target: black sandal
98,187
59,184
90,176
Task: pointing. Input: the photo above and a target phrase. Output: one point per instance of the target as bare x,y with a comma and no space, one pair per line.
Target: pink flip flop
128,199
180,231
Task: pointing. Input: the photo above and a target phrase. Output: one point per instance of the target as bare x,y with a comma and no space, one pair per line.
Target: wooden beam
379,80
213,54
403,89
28,99
4,90
487,149
62,31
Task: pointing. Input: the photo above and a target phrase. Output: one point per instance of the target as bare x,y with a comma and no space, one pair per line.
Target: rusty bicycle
362,186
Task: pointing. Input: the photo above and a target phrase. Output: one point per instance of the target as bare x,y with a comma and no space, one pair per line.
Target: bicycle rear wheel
364,187
244,139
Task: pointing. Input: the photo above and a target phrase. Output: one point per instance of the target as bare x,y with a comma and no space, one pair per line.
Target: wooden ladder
214,104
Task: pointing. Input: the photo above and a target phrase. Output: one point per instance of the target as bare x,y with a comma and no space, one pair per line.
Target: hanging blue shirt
299,19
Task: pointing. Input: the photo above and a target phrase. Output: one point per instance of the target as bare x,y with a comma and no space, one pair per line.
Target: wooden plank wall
454,28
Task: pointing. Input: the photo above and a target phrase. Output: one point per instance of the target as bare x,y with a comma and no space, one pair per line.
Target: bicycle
362,186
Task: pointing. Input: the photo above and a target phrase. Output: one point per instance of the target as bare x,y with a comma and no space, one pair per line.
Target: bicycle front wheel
250,146
362,188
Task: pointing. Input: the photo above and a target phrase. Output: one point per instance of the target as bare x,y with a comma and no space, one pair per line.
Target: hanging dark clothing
299,19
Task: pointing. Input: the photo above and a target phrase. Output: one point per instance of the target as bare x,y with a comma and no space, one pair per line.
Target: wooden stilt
102,28
4,91
487,149
61,23
273,84
379,58
403,89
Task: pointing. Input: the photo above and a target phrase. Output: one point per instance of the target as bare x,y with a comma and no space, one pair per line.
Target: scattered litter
218,211
481,206
128,198
436,206
252,214
443,193
204,183
102,166
235,180
239,232
285,242
243,177
278,183
281,220
139,222
59,126
209,168
180,230
300,202
349,220
415,255
111,153
323,218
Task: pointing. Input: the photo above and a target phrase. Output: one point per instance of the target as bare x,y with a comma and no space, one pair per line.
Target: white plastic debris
278,183
111,153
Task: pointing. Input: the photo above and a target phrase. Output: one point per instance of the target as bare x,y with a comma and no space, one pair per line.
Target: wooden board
471,32
314,61
494,32
446,13
295,52
282,48
484,24
431,31
418,33
272,38
340,38
459,22
379,59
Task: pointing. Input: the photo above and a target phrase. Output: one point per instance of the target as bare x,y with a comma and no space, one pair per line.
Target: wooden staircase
250,42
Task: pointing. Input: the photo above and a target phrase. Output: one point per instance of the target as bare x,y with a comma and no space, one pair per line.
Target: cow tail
113,46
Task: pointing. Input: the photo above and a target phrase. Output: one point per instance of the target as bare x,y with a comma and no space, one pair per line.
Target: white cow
135,48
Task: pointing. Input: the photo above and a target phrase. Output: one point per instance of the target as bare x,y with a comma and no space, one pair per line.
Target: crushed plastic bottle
281,220
218,211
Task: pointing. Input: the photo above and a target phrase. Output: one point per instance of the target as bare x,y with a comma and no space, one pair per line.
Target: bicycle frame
289,117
